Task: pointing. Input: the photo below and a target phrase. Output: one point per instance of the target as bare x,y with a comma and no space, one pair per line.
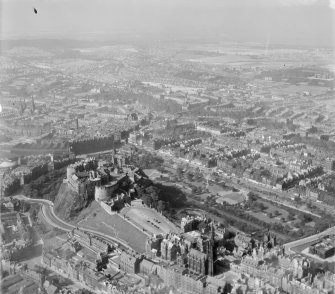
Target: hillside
68,204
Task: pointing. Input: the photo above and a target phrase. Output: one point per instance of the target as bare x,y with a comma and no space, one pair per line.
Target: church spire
212,231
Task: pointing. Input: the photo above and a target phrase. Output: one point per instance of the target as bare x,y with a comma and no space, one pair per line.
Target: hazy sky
279,21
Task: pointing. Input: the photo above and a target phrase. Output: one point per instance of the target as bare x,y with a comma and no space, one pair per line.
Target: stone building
129,262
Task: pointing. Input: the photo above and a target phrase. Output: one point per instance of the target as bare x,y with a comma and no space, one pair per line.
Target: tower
211,251
32,104
21,108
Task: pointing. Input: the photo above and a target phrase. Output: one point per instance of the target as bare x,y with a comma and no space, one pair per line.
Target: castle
111,183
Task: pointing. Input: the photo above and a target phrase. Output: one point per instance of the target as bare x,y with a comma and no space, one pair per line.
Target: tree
297,199
173,195
153,192
40,269
291,216
34,215
27,191
17,204
227,288
139,191
62,280
147,200
276,213
262,206
189,176
305,218
161,206
252,196
179,171
35,194
83,291
25,206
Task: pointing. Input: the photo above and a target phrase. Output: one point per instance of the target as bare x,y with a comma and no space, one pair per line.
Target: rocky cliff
68,203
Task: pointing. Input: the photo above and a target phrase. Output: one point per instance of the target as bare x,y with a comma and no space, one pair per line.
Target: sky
296,22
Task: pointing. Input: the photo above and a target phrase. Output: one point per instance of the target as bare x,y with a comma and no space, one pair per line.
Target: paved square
149,220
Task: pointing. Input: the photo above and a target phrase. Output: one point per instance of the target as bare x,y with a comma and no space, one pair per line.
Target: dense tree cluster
147,160
19,206
92,145
163,198
12,187
46,186
58,164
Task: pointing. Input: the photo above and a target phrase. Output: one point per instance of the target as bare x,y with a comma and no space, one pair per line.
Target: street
52,219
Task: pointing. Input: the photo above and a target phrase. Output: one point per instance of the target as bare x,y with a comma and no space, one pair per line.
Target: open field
231,197
283,88
226,194
294,89
244,60
264,217
218,189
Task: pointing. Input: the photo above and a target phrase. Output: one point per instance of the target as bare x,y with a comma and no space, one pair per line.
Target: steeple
32,104
210,252
212,231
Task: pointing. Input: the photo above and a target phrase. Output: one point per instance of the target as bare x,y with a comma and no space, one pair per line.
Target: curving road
53,220
289,246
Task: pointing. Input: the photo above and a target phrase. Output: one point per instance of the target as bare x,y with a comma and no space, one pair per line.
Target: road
53,220
289,246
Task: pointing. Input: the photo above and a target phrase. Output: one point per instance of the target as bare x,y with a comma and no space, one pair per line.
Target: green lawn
264,215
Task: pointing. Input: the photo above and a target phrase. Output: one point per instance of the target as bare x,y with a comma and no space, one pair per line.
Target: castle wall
106,207
69,172
101,193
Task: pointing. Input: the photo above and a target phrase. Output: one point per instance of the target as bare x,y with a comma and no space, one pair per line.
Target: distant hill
52,43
